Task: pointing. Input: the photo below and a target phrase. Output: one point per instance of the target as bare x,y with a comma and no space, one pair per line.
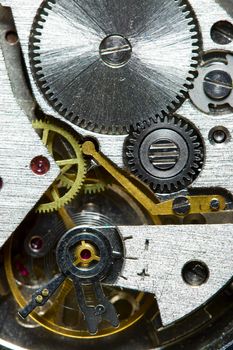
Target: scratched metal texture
19,144
218,157
161,252
210,243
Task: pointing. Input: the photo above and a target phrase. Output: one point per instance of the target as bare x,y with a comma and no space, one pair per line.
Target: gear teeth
195,158
94,188
68,111
58,203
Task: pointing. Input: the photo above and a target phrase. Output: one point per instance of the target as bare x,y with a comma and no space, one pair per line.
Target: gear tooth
179,123
192,172
153,187
190,132
198,159
186,128
94,187
131,162
196,144
40,34
181,182
135,135
195,165
81,168
188,178
187,174
173,120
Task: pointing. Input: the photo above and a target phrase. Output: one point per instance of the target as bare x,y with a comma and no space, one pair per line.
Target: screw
45,292
222,32
218,85
195,273
214,204
39,299
115,50
99,310
181,206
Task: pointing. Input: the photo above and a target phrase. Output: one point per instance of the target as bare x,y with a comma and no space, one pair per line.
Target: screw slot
195,273
222,32
218,85
181,206
115,51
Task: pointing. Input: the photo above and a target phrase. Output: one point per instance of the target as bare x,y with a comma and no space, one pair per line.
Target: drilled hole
12,37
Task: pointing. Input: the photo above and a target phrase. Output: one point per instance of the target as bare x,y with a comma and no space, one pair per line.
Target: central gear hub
167,154
74,63
105,249
115,51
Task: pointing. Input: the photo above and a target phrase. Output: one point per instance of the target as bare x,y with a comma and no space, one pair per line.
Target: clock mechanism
116,174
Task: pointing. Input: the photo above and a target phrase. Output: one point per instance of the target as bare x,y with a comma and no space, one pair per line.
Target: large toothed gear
166,153
59,141
107,65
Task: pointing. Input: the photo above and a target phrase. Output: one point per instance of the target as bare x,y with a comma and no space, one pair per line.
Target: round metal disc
107,65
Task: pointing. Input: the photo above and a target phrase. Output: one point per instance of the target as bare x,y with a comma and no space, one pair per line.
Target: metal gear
90,186
110,65
93,186
59,195
166,153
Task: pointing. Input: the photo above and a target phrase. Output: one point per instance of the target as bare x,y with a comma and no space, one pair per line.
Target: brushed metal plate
161,252
19,144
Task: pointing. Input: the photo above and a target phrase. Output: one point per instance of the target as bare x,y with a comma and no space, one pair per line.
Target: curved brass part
198,204
90,150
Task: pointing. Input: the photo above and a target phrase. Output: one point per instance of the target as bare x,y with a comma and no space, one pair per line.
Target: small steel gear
109,65
68,155
166,153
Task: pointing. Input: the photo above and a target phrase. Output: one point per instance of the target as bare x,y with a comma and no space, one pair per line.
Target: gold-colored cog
93,186
90,186
68,155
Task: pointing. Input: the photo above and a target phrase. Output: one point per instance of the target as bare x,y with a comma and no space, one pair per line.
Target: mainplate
134,103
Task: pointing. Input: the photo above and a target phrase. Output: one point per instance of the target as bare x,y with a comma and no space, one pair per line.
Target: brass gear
93,186
59,195
95,183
